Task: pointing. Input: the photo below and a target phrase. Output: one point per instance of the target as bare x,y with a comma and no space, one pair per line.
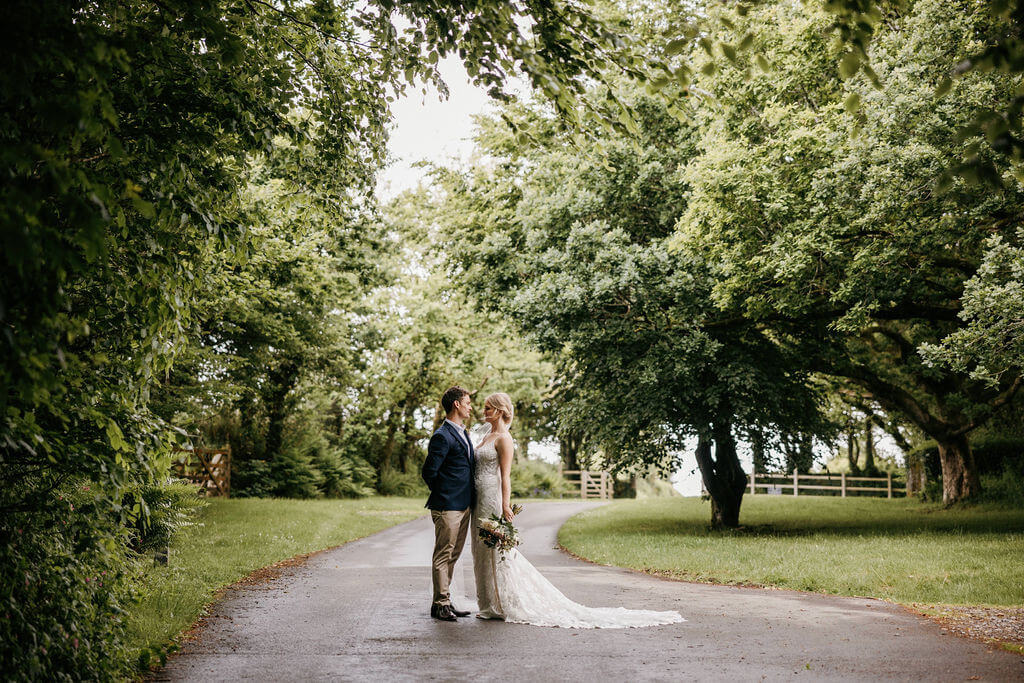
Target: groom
448,471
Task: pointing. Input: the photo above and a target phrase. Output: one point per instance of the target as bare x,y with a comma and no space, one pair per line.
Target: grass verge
238,536
923,556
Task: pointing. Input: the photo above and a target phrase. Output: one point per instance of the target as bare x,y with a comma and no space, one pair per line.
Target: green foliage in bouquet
497,532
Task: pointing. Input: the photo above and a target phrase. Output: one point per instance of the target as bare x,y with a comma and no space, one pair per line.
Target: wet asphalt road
360,613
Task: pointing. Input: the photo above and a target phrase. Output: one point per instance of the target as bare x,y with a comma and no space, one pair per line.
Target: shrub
295,476
160,510
1007,487
536,479
251,479
394,483
1000,463
344,477
65,580
309,465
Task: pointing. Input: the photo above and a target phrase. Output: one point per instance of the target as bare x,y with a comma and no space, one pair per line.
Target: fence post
796,481
753,481
842,483
584,480
888,476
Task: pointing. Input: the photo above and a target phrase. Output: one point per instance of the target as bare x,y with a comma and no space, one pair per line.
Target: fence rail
591,484
208,467
793,481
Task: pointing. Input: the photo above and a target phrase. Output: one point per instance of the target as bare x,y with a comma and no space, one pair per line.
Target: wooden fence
590,484
779,482
208,467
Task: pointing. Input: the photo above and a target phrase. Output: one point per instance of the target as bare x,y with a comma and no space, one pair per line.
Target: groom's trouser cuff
450,527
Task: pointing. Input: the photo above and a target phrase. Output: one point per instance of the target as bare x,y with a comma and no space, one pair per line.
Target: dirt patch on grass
1001,625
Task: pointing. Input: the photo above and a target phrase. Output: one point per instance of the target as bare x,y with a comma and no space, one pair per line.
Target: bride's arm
504,447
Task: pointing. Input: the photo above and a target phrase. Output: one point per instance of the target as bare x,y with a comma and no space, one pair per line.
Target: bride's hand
507,513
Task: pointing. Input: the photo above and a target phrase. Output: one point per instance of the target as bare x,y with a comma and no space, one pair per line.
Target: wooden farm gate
589,484
824,484
208,467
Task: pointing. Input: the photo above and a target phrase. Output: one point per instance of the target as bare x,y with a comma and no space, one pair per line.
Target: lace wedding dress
512,589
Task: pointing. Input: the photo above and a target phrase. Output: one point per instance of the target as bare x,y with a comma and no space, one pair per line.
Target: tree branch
325,34
891,397
996,404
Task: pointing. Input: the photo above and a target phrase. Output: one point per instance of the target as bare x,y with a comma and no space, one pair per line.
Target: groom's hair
450,397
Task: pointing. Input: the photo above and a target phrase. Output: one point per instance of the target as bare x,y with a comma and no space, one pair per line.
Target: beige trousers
450,527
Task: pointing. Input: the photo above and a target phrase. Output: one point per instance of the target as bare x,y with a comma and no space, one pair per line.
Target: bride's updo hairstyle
503,404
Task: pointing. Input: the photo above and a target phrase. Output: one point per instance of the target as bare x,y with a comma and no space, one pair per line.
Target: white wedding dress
512,589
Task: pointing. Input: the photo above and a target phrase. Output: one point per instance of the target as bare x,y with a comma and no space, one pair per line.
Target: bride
509,587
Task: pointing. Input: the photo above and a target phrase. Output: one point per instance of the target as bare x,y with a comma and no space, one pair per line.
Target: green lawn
899,550
238,536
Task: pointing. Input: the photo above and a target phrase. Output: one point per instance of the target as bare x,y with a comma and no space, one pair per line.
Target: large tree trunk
281,381
568,449
959,473
388,448
852,451
723,476
869,448
408,445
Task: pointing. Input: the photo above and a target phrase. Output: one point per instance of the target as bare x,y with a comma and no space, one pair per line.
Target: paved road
359,612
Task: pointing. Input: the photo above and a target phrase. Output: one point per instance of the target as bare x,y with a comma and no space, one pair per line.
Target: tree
990,345
430,336
841,246
577,240
277,331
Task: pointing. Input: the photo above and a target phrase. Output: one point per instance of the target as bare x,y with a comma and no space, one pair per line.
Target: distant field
899,550
239,536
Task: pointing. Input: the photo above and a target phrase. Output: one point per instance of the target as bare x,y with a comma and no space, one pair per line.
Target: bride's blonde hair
503,404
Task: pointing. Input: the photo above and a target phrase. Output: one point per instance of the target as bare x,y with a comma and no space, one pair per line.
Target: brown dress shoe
442,612
459,612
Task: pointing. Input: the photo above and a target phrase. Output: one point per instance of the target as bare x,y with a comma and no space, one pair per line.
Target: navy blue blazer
448,470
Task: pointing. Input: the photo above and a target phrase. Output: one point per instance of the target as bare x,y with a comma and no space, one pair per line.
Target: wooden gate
824,484
591,484
208,467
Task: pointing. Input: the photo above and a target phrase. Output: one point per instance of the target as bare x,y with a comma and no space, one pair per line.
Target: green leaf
943,87
852,103
142,206
676,46
849,64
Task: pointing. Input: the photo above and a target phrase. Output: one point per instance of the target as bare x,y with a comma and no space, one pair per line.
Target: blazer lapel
458,438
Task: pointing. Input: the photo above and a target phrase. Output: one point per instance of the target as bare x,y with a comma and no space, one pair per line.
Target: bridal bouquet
498,532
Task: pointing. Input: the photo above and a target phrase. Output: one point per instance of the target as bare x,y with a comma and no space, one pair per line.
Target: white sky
428,128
